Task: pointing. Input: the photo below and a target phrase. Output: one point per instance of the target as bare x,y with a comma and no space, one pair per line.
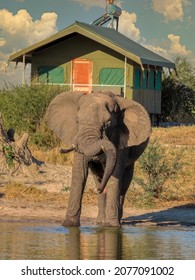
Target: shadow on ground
180,215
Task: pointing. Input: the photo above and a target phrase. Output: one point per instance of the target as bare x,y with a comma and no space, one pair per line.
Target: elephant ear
61,115
137,124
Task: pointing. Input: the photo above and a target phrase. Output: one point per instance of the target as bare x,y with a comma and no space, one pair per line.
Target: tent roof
103,35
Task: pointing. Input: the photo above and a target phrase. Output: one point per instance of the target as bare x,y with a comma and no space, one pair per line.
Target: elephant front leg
79,177
101,218
112,202
97,170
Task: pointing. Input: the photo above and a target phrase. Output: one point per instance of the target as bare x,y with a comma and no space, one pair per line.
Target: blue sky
166,27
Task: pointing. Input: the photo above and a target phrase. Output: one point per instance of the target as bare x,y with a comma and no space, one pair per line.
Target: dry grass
182,135
179,139
52,156
17,191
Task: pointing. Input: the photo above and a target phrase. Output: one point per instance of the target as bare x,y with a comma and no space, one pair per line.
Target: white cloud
159,50
2,42
127,25
176,48
171,10
170,48
19,30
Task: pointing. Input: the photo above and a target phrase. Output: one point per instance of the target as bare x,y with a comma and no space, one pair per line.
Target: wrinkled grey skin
108,134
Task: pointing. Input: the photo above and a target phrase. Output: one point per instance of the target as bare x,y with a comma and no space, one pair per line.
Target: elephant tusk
69,149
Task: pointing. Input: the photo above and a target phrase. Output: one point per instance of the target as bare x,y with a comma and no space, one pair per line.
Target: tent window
145,79
137,78
51,74
158,81
111,76
151,80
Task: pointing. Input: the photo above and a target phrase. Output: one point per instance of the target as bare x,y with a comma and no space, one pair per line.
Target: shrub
23,108
158,168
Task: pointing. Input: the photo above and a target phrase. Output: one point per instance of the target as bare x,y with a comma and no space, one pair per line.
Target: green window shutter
158,80
137,78
145,79
43,75
111,76
51,74
151,80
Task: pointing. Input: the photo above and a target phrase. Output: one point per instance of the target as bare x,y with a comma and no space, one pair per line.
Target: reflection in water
19,240
93,243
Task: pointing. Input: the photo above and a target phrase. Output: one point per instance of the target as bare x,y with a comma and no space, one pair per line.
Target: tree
178,93
185,72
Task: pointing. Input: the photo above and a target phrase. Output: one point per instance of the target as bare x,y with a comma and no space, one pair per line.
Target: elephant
107,133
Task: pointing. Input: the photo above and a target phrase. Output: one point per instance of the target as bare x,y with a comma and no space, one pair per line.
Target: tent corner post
23,69
125,78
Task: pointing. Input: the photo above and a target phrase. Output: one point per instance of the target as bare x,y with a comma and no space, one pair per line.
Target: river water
44,240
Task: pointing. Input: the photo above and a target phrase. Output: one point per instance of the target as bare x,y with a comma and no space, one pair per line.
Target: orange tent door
82,75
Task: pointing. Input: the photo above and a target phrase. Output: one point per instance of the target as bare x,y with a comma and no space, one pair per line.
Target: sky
164,26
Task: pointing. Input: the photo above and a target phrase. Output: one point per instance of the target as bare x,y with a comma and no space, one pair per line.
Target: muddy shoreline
53,181
183,215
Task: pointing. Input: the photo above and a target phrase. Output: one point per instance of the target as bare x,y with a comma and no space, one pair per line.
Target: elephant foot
71,222
100,221
114,223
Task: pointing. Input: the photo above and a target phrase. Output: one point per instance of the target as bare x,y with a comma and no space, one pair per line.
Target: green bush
44,138
158,167
23,108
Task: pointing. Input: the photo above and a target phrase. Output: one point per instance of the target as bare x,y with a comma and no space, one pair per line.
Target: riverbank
182,215
19,202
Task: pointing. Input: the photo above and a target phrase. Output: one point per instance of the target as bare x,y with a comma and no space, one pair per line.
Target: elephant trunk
96,147
109,168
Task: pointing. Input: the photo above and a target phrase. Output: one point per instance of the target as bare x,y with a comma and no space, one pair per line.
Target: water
44,240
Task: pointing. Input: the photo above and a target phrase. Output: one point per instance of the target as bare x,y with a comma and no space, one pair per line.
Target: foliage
158,168
44,138
9,155
178,93
23,108
185,72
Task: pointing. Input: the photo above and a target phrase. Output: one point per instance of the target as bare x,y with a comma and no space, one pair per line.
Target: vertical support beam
23,69
71,75
125,78
117,22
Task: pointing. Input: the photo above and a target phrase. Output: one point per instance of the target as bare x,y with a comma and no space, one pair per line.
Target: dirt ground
44,195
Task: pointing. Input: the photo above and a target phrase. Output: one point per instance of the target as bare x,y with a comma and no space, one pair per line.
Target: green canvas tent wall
90,58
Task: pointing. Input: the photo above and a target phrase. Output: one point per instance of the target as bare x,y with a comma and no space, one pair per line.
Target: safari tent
91,58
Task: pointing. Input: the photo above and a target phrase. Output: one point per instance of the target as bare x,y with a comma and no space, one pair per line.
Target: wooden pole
125,77
23,70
